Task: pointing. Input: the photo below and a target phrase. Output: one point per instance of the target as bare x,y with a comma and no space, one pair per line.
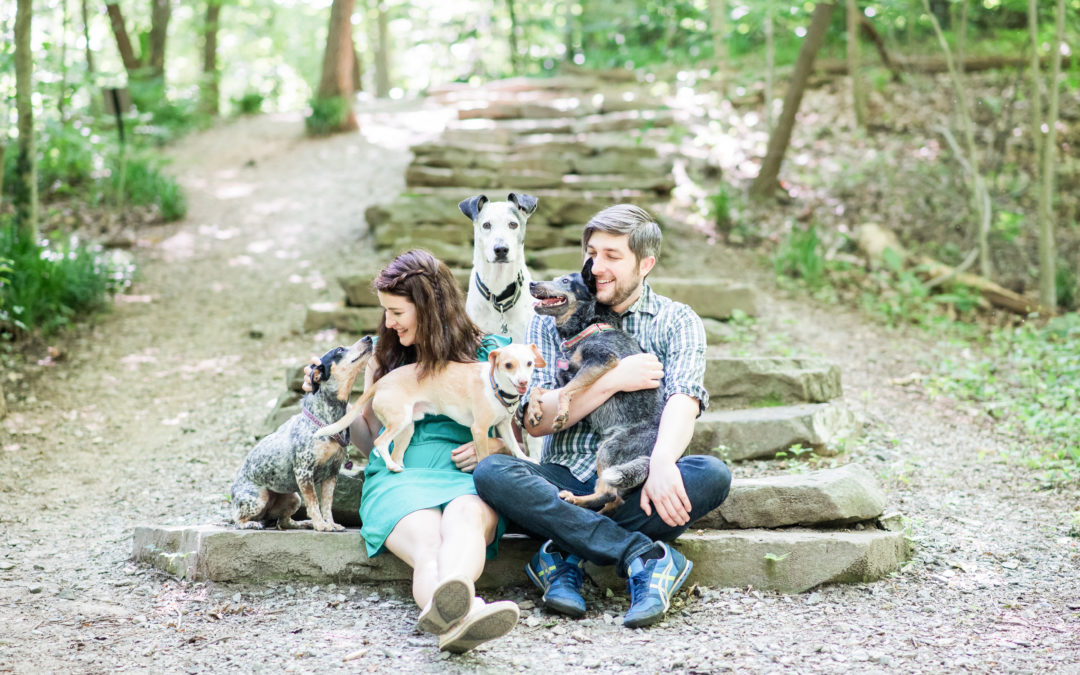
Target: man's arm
640,371
687,397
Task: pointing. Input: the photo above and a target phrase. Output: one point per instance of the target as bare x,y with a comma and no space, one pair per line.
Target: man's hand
664,490
637,372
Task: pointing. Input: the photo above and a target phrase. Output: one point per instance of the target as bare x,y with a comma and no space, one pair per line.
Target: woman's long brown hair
444,332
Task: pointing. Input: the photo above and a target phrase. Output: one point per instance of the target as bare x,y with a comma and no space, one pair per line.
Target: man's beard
622,293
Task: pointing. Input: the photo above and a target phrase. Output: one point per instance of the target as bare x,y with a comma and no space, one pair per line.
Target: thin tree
336,85
721,54
1047,246
514,56
26,206
858,92
382,52
62,97
86,38
211,102
770,65
767,178
980,194
961,36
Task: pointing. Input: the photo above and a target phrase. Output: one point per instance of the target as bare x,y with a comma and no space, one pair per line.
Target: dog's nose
501,252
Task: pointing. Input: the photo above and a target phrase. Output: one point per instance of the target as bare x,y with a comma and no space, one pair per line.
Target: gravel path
152,409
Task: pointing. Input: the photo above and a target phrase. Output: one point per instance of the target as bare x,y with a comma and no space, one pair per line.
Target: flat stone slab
710,298
767,380
847,494
757,433
346,319
789,561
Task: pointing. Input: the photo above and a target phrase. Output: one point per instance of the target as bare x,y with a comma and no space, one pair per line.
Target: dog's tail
627,476
351,414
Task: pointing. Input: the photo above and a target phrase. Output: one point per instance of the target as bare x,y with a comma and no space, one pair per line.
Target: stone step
847,494
341,317
759,433
788,561
758,381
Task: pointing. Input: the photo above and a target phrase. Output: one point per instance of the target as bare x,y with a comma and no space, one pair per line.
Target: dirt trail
152,410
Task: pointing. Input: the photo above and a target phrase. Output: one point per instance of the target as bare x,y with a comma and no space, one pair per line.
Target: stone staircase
579,151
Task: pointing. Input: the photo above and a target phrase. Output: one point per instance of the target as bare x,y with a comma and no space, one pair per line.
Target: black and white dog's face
499,227
339,367
564,296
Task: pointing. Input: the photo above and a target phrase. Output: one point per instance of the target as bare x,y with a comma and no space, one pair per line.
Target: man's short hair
635,222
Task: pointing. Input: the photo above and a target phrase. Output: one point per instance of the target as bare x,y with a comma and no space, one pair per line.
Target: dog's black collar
342,437
505,300
508,400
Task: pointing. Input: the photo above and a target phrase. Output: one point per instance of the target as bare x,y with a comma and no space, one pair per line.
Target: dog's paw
560,421
567,496
329,527
295,525
394,466
250,525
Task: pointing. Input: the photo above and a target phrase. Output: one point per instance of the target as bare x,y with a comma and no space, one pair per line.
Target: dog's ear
493,357
527,203
539,362
587,276
471,207
316,374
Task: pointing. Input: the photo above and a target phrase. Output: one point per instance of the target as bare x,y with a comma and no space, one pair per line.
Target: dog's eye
513,226
529,364
486,226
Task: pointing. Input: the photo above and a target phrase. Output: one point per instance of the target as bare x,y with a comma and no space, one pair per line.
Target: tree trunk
514,65
25,158
86,38
337,67
63,59
961,34
770,65
357,68
132,63
382,54
721,54
766,181
210,92
858,93
160,13
875,37
1047,246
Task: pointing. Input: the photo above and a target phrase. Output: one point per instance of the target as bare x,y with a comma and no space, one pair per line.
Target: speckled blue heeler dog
593,344
293,459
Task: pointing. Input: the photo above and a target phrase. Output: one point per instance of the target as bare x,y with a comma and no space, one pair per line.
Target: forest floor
146,414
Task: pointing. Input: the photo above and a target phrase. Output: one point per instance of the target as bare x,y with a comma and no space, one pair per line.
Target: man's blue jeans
528,495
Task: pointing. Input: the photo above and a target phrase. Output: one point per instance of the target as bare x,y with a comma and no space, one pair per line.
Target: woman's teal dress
430,478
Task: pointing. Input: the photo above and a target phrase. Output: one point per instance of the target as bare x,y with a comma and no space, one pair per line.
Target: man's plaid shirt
668,329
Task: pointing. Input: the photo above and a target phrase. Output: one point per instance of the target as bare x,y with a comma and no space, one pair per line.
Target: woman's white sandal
485,622
450,603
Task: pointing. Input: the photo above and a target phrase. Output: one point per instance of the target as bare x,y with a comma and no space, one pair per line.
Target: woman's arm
365,428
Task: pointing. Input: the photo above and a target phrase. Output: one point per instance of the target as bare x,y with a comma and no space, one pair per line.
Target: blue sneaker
652,583
560,580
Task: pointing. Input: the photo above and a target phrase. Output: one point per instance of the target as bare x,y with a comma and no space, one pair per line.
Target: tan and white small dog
477,395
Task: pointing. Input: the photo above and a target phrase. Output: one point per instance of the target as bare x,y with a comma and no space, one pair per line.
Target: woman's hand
637,372
308,370
464,456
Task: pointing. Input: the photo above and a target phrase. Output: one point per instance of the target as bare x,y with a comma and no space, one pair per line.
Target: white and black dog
498,298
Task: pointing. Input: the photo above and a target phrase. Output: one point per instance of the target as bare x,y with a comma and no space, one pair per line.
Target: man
623,242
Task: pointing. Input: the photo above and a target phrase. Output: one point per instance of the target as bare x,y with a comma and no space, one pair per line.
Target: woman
429,515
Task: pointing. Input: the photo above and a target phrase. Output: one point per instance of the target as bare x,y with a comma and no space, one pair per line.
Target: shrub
248,104
801,255
142,183
46,285
327,115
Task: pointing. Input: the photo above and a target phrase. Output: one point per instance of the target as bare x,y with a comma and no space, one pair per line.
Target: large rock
337,315
848,494
453,177
787,561
762,432
661,183
710,298
287,405
564,257
759,380
454,230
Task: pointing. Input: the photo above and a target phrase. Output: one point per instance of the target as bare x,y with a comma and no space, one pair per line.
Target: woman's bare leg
417,540
468,526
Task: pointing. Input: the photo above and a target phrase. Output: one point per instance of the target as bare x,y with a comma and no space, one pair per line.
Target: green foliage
1027,378
45,285
327,115
143,183
250,103
801,255
1066,285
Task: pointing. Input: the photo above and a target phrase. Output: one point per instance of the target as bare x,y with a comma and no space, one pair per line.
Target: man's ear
588,277
646,264
539,361
527,203
471,207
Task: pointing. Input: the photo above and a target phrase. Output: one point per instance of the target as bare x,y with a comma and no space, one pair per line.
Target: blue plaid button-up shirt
668,329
